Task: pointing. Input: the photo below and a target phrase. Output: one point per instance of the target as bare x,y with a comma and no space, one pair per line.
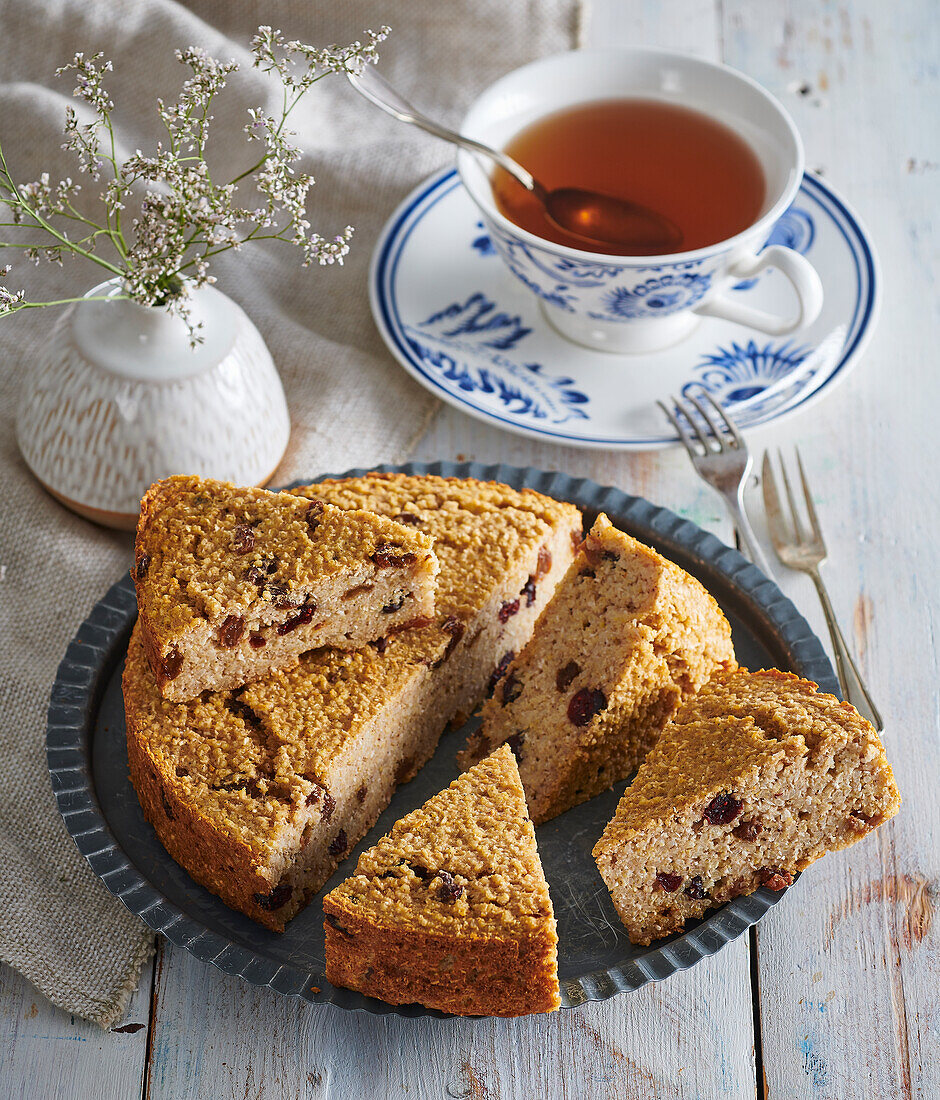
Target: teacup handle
803,278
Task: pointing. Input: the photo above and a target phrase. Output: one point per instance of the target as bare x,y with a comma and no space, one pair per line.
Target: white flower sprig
182,217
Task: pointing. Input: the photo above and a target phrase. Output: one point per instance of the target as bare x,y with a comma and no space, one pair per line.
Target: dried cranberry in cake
361,794
507,609
334,924
143,564
668,882
515,743
774,879
243,541
321,797
278,897
455,628
585,705
340,844
749,829
389,555
449,890
499,672
512,688
256,639
172,664
695,889
230,632
395,605
530,591
566,675
722,809
544,563
313,515
302,618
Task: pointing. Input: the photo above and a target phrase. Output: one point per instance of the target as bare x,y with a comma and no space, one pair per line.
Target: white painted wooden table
837,994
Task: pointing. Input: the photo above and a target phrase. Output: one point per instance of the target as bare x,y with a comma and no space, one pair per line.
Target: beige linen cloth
350,403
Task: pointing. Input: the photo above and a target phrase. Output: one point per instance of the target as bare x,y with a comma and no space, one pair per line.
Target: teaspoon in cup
595,218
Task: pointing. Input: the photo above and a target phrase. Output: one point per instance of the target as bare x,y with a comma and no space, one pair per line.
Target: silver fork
805,550
721,458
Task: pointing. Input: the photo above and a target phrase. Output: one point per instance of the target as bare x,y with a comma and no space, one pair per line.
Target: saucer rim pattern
394,235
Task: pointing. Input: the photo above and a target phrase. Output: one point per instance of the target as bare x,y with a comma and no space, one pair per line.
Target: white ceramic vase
119,399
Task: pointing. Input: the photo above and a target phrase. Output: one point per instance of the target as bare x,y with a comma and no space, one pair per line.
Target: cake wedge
627,636
451,909
260,791
233,583
758,776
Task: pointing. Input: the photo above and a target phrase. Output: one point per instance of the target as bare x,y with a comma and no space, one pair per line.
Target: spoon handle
378,91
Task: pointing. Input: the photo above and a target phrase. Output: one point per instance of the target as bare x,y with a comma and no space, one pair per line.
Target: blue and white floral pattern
655,297
604,291
482,242
741,372
463,343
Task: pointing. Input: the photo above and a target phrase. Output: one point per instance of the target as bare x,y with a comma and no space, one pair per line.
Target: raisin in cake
627,636
232,583
260,791
756,778
451,910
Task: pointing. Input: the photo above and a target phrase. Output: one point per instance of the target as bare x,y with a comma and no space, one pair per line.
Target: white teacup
642,303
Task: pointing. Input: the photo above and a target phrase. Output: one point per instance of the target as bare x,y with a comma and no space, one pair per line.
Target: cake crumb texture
260,791
626,637
232,582
757,777
451,909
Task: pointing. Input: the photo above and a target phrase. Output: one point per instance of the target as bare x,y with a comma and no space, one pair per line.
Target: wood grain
689,1036
849,963
46,1054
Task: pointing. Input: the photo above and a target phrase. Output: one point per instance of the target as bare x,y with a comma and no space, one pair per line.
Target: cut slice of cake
757,777
451,910
232,583
259,792
627,636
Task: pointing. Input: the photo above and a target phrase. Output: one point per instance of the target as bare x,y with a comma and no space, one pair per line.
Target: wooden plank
46,1053
849,964
689,1036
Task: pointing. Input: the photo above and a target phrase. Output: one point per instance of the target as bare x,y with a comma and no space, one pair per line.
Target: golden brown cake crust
233,582
758,776
451,909
272,784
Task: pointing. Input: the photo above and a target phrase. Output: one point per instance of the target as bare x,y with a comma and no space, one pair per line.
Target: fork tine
683,435
776,524
732,427
698,431
797,526
810,507
715,430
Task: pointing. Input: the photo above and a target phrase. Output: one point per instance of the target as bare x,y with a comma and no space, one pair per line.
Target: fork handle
735,505
850,679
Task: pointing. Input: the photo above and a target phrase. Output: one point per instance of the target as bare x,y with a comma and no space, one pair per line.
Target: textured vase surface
119,399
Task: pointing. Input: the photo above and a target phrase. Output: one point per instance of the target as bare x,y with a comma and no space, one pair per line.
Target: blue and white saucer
463,326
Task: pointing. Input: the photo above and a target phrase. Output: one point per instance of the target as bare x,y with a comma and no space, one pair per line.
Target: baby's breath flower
10,300
182,218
